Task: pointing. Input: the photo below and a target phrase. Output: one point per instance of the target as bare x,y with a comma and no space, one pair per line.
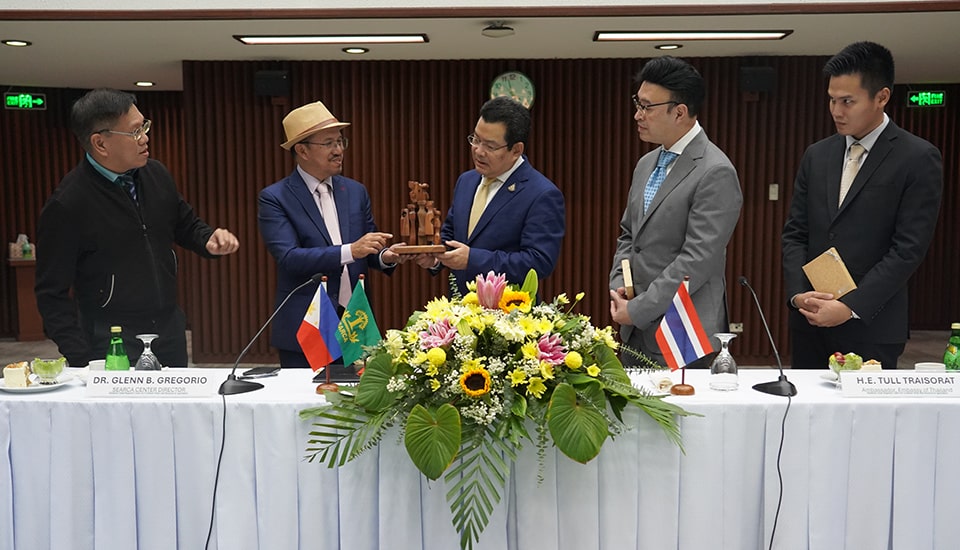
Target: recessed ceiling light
678,36
668,46
355,50
17,43
143,84
332,39
497,29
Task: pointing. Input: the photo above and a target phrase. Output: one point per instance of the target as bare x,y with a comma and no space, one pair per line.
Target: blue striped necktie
656,178
129,185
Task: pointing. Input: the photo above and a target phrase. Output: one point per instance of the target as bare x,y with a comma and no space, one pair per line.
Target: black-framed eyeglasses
643,108
341,141
474,141
137,134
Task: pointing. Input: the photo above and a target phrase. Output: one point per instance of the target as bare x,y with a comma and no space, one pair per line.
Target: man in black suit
872,190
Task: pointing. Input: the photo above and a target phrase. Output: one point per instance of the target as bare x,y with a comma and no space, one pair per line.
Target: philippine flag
681,337
318,331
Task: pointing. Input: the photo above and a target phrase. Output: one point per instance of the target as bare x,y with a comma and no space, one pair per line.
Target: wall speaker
271,83
758,79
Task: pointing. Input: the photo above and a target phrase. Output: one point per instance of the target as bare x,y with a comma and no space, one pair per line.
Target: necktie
850,170
656,178
328,209
479,203
129,185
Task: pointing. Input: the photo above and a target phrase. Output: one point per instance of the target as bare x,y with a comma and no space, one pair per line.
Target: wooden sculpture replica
420,223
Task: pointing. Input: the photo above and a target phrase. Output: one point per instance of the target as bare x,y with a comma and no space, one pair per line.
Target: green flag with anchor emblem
357,327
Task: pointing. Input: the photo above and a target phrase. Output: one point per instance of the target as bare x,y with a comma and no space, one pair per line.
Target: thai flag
318,331
681,337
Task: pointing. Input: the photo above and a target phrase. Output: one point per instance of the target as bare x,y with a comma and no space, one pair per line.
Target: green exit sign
926,98
24,102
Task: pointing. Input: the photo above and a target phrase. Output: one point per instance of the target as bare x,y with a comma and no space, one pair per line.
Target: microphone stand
781,386
233,385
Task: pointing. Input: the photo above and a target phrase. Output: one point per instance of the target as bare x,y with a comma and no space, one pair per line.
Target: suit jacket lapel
342,199
298,188
682,166
875,157
510,189
835,162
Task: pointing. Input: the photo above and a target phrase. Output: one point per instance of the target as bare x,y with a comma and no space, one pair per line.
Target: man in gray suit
683,205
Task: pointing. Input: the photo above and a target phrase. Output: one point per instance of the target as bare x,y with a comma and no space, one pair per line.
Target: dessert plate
37,387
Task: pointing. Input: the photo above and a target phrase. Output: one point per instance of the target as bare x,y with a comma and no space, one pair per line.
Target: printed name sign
900,384
165,383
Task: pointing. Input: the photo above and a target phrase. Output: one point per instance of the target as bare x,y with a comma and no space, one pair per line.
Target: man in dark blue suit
317,221
505,217
872,190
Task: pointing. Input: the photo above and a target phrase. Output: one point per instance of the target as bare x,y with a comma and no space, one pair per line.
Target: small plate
831,377
37,387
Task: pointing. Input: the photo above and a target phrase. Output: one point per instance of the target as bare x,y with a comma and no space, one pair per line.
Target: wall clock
514,84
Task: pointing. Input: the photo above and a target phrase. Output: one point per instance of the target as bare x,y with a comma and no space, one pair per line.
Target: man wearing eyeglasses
317,221
681,211
105,240
505,217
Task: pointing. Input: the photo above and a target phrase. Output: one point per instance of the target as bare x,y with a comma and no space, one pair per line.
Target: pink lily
551,349
490,289
438,334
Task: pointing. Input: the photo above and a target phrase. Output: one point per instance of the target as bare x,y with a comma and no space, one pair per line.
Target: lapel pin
512,188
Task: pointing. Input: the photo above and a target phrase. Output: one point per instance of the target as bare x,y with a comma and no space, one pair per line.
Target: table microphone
781,386
232,385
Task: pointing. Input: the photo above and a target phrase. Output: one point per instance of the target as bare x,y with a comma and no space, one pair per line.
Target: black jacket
114,254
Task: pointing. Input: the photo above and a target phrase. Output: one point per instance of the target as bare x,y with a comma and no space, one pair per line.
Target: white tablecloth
113,473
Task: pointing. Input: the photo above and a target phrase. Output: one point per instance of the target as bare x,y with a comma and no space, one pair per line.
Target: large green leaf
577,428
433,438
609,365
372,392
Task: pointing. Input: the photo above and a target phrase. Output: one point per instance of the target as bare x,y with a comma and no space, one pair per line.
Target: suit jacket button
637,249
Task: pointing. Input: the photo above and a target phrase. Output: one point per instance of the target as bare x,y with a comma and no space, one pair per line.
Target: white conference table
119,473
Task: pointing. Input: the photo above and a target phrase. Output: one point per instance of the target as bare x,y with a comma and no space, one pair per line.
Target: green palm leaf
343,431
477,480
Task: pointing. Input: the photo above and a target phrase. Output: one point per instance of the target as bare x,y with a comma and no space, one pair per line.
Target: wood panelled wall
409,121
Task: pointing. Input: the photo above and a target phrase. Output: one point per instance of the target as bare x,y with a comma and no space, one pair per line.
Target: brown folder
828,273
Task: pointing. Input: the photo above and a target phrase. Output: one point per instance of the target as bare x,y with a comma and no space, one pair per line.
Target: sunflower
515,299
475,382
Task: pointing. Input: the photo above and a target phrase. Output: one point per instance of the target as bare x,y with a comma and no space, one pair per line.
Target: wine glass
147,360
723,371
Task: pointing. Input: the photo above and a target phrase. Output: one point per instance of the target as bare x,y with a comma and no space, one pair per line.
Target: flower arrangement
465,378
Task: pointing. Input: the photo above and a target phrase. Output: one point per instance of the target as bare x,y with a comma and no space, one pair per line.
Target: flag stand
328,385
682,388
348,369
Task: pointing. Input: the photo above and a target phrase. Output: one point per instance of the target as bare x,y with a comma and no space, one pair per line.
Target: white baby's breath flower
396,384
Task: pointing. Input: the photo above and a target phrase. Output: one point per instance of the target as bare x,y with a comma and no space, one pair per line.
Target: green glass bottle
117,354
951,357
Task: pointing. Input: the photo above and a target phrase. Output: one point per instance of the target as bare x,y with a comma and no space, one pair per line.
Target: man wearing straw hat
317,221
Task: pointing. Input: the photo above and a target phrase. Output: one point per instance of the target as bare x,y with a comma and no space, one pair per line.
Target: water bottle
951,357
117,354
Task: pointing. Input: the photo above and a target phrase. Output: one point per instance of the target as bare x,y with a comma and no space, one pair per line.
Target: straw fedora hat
306,121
